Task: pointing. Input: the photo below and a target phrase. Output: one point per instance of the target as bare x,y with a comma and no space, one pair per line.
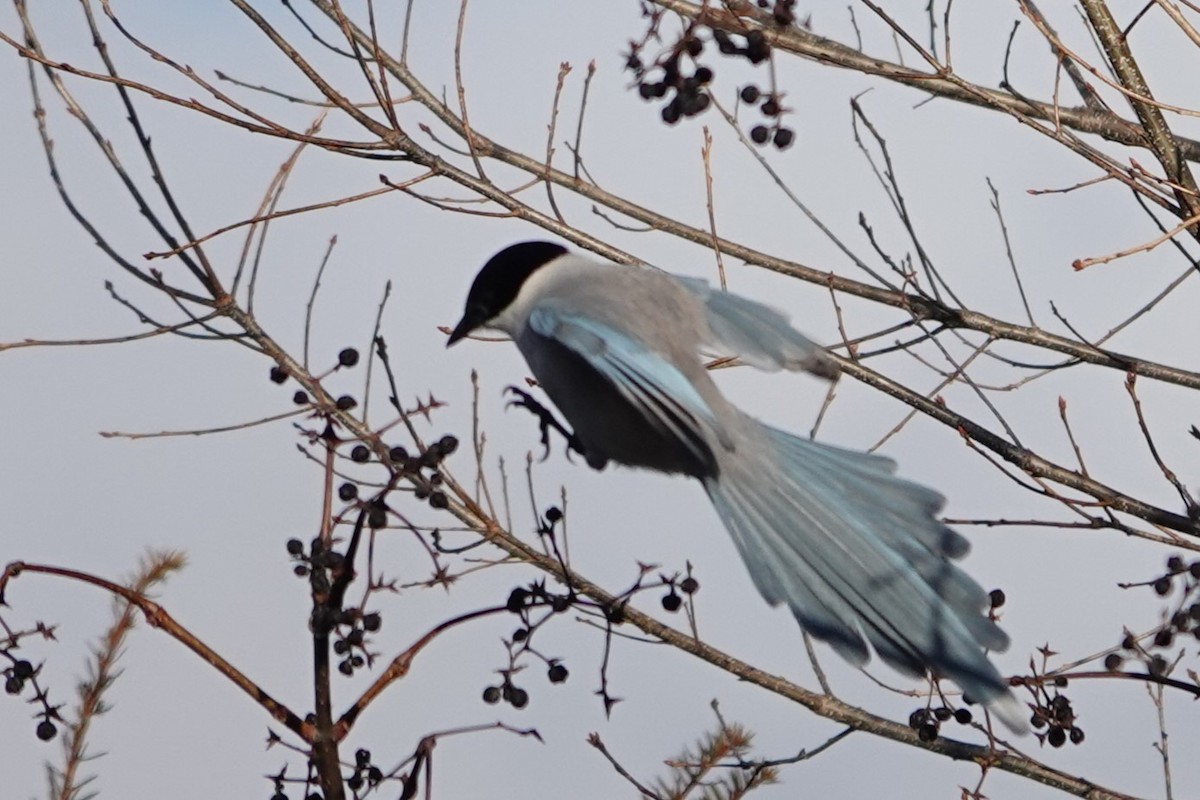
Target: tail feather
858,556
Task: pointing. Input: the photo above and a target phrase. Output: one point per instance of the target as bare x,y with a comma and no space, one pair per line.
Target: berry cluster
1056,717
688,97
365,773
22,674
515,696
1182,620
523,600
671,601
351,643
927,721
324,569
398,460
688,89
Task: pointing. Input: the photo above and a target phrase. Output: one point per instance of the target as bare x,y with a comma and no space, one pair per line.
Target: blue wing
757,334
653,386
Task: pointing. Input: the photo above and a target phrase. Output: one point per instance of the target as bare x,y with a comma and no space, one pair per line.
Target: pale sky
71,497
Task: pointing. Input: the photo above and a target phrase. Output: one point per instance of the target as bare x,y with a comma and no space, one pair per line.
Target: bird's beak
470,321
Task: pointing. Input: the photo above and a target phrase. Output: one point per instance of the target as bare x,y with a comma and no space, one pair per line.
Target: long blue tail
859,556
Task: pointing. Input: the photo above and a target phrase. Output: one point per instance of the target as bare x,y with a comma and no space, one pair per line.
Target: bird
857,554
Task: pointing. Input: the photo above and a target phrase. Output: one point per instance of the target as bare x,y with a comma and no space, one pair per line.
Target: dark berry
759,134
553,515
13,684
962,716
996,598
770,108
23,669
362,756
1077,736
516,599
46,730
348,357
557,673
942,714
749,93
491,695
520,634
615,614
917,718
1129,642
438,500
646,90
1162,586
355,782
689,585
1158,666
1181,621
372,621
671,602
1175,564
1037,720
295,547
1057,737
757,49
447,444
694,47
398,454
300,398
300,570
347,492
1194,569
1060,680
671,112
360,453
559,603
703,75
1113,662
279,374
1164,638
927,732
345,403
671,72
783,138
374,776
518,697
377,516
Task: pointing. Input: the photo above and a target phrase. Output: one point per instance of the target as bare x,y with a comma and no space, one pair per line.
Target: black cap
500,281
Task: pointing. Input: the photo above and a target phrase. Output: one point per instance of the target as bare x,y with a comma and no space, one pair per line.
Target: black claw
546,421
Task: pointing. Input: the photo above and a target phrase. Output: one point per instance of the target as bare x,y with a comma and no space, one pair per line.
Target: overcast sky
71,497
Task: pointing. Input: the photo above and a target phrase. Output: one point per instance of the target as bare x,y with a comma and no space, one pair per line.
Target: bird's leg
546,421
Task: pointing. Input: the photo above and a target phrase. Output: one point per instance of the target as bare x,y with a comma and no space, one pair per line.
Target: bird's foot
546,421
